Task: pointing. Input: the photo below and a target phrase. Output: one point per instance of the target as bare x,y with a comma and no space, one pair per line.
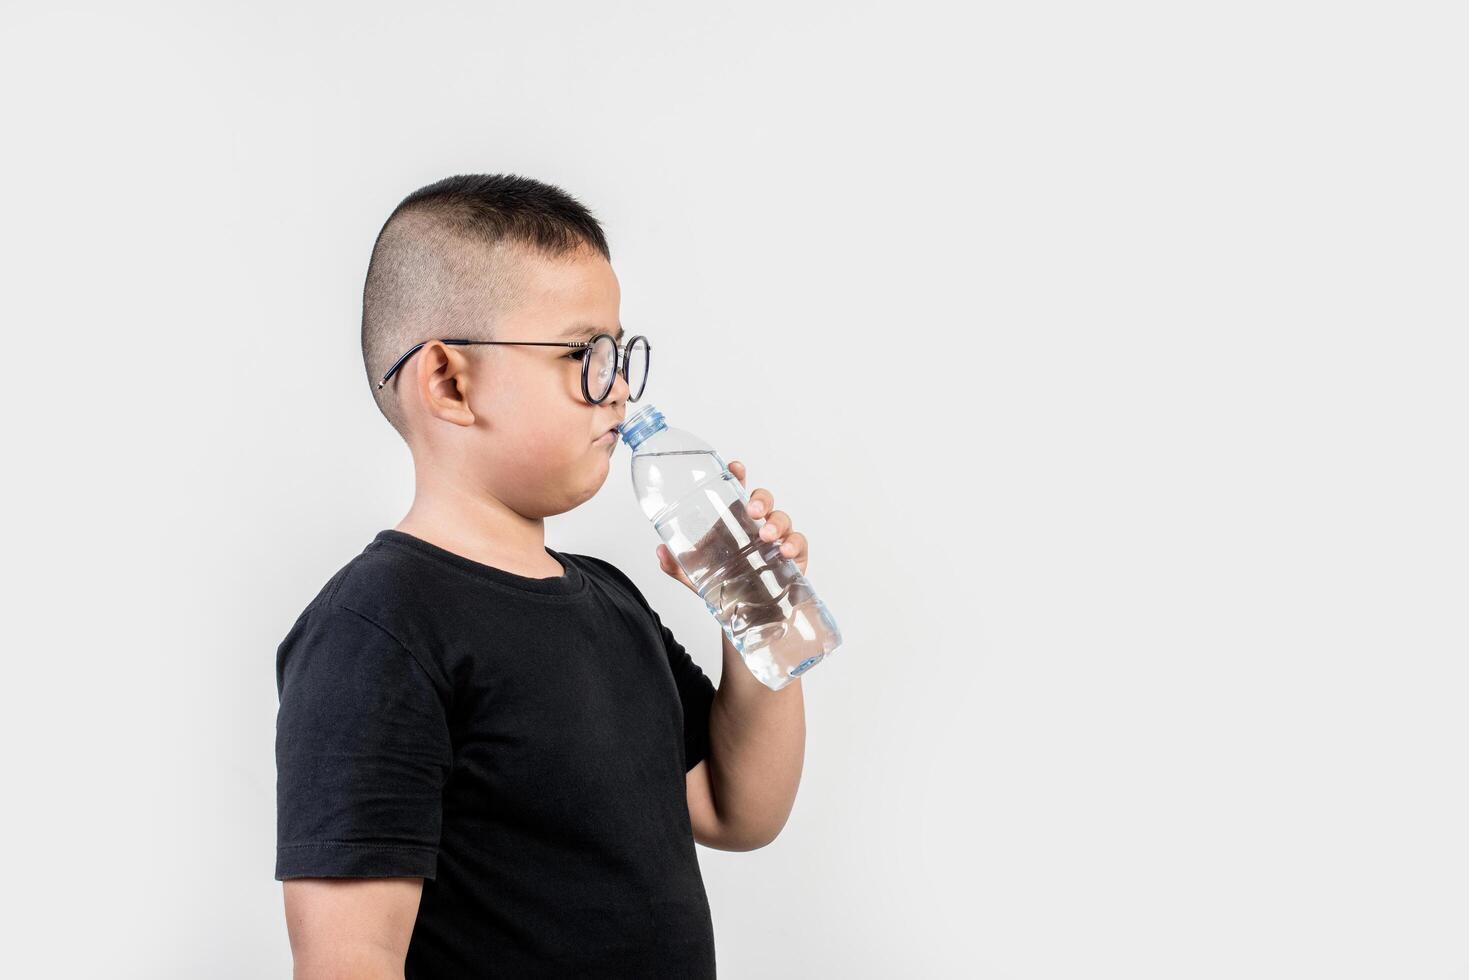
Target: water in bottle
766,606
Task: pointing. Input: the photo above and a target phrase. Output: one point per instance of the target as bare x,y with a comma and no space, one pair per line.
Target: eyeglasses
599,353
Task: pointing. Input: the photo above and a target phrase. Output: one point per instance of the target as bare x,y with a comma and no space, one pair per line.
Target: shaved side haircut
449,262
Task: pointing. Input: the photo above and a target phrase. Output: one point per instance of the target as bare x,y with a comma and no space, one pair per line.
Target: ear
442,380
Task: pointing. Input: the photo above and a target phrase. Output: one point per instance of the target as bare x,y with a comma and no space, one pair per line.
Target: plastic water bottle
766,606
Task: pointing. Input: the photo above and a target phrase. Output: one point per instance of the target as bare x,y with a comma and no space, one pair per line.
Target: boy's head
494,257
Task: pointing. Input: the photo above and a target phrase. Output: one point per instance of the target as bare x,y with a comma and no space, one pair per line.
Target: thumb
670,565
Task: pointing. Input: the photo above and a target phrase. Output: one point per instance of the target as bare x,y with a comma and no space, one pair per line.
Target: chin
604,467
603,470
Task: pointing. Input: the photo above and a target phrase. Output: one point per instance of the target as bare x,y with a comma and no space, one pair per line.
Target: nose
620,390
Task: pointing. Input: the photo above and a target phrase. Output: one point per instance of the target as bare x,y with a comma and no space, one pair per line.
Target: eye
577,354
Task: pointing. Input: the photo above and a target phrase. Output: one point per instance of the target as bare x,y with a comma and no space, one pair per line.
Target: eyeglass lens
603,367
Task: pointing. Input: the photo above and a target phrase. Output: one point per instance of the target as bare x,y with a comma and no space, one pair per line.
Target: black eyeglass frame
620,353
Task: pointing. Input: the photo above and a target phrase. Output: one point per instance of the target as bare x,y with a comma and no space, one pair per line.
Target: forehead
568,298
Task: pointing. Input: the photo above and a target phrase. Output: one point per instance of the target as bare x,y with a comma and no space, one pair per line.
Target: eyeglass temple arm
622,349
399,362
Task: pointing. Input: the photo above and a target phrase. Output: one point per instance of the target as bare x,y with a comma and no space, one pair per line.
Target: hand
777,527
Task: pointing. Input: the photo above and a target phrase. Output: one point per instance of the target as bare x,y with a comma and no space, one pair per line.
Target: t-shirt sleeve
362,752
695,690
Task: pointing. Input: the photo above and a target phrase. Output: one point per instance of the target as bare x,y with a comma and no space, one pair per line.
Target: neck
472,522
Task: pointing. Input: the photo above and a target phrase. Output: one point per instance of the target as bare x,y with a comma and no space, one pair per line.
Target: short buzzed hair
447,263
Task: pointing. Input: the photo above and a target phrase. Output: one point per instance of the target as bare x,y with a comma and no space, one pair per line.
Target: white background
1112,358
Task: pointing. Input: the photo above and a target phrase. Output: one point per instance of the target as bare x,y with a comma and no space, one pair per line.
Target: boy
493,758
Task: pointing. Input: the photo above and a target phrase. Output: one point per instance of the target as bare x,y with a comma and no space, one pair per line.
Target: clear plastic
768,609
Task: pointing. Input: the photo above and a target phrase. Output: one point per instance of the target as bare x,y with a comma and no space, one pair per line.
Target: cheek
537,423
544,436
529,406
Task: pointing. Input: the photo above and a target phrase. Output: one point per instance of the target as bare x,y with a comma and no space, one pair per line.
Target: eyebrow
586,331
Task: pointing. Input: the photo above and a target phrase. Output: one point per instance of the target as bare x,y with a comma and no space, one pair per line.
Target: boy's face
535,442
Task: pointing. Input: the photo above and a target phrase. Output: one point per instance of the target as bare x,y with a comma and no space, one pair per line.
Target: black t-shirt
519,743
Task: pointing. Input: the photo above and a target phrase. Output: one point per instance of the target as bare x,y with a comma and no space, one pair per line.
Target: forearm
350,963
757,747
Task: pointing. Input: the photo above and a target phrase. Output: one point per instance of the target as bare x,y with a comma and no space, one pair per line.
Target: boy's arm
350,928
363,751
741,795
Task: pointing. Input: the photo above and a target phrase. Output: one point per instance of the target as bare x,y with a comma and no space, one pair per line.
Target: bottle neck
642,426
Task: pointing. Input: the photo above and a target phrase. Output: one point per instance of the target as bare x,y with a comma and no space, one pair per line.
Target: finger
761,503
794,546
776,525
738,469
